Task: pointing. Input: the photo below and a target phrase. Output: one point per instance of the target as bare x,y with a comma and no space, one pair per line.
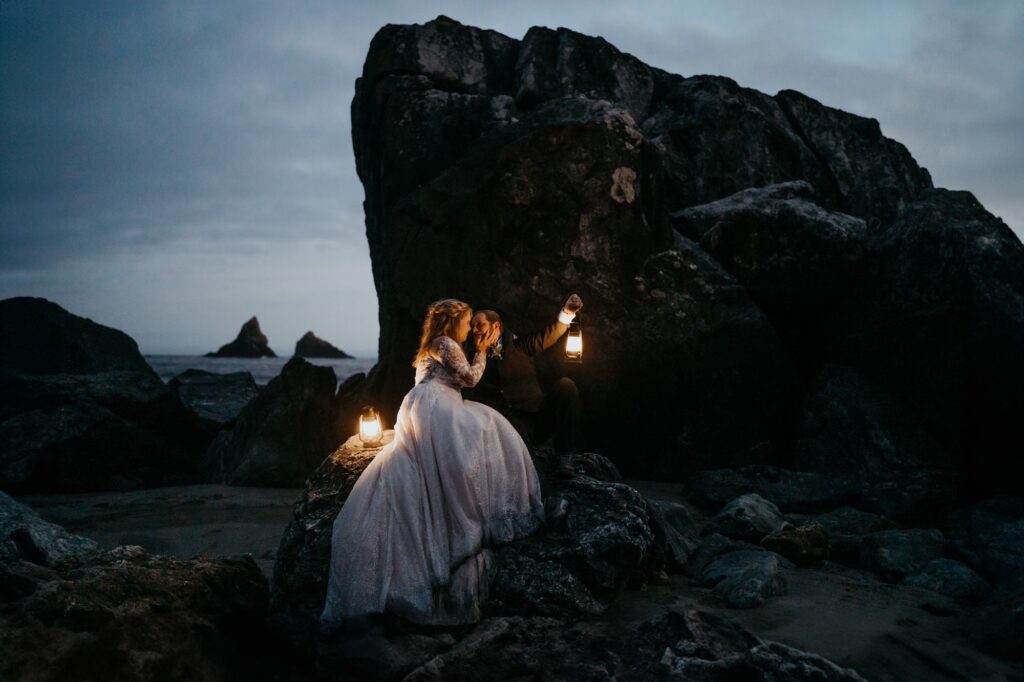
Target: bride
456,478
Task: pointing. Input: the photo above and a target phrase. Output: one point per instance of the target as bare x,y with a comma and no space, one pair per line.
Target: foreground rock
896,554
803,545
990,537
68,611
744,579
748,518
81,410
681,645
951,578
215,400
251,342
132,616
312,346
917,494
283,434
600,542
25,538
997,625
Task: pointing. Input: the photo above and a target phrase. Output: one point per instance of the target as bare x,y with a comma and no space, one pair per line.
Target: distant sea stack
312,346
251,342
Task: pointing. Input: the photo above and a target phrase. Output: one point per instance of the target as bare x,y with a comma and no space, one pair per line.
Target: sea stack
251,342
312,346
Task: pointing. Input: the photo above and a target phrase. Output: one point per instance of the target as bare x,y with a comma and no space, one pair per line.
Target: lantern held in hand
371,430
574,343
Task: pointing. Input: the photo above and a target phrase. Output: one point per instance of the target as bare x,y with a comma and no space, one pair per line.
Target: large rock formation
282,434
80,409
312,346
519,171
251,342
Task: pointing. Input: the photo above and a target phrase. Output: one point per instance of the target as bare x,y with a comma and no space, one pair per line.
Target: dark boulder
803,545
713,546
990,536
716,138
791,255
936,317
997,624
896,554
845,528
873,176
24,536
251,342
951,578
215,400
312,346
607,544
282,434
80,409
682,537
604,544
38,337
128,615
684,644
743,579
748,518
852,426
791,491
915,494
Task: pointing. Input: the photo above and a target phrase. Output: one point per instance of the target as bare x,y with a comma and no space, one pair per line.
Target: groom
510,384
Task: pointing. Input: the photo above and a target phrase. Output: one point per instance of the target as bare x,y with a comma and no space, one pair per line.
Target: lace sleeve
446,351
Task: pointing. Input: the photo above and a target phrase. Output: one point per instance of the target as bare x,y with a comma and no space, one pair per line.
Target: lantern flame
574,343
370,429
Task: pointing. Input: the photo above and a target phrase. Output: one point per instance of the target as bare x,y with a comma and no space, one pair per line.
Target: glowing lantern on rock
371,431
574,343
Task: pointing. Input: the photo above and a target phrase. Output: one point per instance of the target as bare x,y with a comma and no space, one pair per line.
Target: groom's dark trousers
511,386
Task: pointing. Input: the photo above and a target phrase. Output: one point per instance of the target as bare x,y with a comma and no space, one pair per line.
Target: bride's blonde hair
442,320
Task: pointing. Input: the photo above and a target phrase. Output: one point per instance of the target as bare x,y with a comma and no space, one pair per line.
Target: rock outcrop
251,342
601,539
312,346
282,434
727,244
69,611
80,409
215,400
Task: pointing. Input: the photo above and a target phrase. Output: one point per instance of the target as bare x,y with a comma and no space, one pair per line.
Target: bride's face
462,331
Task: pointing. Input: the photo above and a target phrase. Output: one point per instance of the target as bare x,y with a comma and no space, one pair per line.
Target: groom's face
481,326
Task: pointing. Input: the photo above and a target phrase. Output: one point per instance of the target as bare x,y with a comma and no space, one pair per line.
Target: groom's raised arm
542,340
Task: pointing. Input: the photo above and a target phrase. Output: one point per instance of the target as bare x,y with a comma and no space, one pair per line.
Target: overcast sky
172,168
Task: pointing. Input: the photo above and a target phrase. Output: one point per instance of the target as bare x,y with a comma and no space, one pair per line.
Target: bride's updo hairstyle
442,320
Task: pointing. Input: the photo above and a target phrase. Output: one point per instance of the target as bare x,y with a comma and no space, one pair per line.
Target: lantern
371,431
574,343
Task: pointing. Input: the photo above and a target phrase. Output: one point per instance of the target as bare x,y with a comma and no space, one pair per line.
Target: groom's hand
573,304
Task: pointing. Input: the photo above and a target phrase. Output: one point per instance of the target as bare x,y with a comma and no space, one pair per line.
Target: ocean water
262,369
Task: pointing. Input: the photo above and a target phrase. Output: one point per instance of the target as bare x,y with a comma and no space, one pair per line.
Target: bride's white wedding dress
456,478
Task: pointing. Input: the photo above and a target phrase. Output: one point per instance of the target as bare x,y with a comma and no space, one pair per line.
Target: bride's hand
488,340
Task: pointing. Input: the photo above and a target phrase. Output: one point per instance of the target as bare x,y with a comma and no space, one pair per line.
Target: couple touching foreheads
457,477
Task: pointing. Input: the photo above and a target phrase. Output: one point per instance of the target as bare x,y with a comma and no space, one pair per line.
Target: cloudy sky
172,168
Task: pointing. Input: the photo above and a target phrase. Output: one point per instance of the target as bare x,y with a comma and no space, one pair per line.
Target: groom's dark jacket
511,380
